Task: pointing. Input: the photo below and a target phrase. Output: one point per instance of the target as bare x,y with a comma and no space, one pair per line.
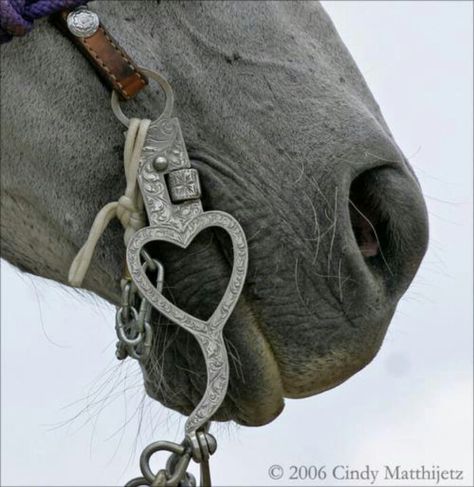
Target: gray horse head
287,138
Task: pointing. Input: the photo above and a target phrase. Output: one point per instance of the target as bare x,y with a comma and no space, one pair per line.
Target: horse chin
263,372
176,376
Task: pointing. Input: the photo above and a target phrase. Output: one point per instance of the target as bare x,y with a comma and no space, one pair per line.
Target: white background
411,406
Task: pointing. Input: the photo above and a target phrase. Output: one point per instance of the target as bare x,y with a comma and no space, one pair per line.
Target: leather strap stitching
124,75
104,65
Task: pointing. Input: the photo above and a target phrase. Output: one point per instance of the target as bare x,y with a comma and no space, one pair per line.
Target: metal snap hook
165,86
175,448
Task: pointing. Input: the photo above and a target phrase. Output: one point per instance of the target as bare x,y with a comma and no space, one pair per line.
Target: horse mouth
296,344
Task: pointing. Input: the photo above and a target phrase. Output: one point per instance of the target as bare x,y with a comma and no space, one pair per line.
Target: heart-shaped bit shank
208,333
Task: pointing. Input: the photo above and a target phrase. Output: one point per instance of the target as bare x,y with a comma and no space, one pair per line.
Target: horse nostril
368,223
363,227
389,223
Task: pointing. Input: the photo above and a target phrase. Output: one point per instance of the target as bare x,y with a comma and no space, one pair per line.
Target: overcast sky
411,406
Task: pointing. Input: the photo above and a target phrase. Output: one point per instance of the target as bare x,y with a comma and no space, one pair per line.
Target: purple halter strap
17,16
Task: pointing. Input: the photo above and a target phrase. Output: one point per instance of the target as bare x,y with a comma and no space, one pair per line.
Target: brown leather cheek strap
111,62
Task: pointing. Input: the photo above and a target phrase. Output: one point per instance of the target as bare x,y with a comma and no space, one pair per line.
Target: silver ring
165,86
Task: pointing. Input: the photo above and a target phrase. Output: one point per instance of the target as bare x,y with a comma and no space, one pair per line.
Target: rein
161,202
17,16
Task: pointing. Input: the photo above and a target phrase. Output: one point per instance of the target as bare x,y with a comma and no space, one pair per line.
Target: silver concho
82,22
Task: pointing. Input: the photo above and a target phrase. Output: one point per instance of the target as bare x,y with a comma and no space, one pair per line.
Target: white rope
128,209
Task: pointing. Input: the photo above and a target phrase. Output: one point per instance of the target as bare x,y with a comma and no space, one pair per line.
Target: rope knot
131,216
128,209
126,204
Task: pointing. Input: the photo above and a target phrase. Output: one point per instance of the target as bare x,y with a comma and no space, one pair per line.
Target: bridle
161,184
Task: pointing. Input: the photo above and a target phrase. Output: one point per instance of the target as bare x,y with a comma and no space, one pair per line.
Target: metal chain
132,320
134,333
198,448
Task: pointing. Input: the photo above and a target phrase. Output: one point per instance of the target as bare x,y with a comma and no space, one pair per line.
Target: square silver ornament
183,184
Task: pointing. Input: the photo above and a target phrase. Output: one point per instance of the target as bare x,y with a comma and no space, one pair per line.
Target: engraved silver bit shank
175,215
